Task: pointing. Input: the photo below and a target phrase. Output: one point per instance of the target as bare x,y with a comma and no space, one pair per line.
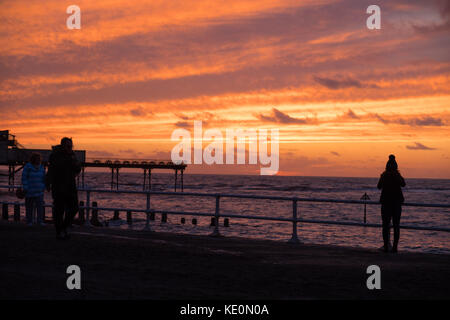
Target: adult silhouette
391,183
62,170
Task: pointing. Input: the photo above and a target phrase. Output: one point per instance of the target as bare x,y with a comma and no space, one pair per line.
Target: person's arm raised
380,182
402,181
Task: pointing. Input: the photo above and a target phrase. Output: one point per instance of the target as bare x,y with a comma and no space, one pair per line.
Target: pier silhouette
15,156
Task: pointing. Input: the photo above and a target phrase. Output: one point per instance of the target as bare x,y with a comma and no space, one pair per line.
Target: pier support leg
149,179
145,179
182,182
117,178
11,176
112,178
82,176
176,178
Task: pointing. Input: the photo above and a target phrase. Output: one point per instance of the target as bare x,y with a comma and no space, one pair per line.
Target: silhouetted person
62,170
391,183
33,182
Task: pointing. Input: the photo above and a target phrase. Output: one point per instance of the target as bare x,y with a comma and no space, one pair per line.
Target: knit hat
391,164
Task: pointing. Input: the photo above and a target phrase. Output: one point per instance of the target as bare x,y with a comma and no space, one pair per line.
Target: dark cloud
280,117
413,122
434,28
337,154
350,114
338,84
183,124
437,27
419,146
139,112
203,116
347,82
428,121
381,119
182,116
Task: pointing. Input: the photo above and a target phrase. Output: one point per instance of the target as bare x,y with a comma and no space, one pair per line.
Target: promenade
123,264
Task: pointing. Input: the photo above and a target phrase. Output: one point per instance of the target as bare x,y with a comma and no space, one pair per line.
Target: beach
132,264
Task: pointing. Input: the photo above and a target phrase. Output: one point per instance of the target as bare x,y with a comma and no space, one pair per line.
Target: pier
15,156
146,165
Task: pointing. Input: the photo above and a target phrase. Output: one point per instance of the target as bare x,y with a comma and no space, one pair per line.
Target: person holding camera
63,168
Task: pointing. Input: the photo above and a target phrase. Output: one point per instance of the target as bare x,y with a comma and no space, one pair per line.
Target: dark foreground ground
140,265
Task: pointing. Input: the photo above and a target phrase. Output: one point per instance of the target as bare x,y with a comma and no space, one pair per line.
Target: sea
436,191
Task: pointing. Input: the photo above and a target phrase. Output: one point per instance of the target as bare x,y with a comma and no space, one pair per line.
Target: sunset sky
342,96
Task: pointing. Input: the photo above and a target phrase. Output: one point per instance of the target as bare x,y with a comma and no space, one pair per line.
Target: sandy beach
127,264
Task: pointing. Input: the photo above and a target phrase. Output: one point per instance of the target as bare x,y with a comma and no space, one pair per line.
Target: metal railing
217,214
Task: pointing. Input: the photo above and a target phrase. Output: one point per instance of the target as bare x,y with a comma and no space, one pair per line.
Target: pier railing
294,219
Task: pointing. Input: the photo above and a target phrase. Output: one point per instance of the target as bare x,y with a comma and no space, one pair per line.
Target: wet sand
127,264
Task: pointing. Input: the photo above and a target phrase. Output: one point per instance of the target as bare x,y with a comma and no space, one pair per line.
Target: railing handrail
250,196
294,220
240,216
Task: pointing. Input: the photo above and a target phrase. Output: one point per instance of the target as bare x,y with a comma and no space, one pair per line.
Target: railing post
129,218
365,220
16,212
147,223
294,238
87,222
216,232
81,213
43,211
5,215
365,197
94,218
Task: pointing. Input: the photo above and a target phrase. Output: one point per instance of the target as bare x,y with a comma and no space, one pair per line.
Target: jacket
391,183
33,180
62,170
